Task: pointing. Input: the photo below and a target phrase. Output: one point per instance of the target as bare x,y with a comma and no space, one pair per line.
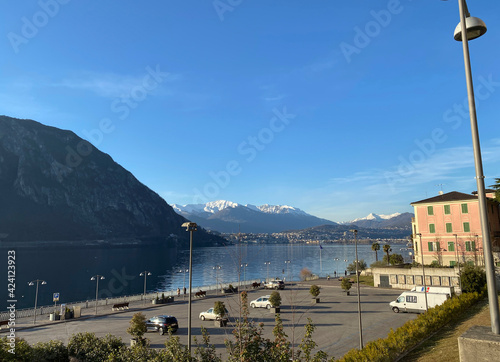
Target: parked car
209,314
274,284
162,323
262,302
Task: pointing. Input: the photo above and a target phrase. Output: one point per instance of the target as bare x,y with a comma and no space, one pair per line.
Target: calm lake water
68,270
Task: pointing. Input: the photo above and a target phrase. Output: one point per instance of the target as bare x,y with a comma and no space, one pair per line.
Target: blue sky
337,108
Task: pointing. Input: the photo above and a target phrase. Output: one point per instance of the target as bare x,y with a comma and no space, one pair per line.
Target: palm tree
387,249
375,248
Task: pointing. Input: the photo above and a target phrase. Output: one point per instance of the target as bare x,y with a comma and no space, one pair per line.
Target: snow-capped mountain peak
376,217
219,205
280,209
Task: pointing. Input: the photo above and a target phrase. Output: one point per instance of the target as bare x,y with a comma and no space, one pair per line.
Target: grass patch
443,346
365,279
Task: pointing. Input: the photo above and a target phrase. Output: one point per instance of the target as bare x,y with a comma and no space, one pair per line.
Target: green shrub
473,279
314,291
54,351
89,348
345,284
275,299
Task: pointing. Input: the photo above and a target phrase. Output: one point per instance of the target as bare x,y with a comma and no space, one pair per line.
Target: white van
415,301
441,290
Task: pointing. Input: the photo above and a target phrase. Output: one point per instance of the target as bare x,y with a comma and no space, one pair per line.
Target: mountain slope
54,186
230,217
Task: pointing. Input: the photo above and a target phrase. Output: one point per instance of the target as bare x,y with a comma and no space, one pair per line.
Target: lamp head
475,28
190,226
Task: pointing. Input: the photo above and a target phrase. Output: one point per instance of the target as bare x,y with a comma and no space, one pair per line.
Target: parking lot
335,318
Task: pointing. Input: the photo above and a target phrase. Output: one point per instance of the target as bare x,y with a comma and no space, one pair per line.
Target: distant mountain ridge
374,221
55,186
230,217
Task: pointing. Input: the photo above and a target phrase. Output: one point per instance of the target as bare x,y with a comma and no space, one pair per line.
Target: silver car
262,302
210,314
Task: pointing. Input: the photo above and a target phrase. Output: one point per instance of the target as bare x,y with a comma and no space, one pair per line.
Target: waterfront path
335,318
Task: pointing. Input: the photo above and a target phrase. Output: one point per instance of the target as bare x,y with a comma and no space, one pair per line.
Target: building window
467,246
430,210
451,246
416,247
449,229
466,227
432,228
473,245
438,246
447,210
453,263
430,246
465,209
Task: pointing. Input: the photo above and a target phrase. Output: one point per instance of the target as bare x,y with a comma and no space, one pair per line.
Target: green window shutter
453,263
430,246
451,246
465,209
473,245
447,210
466,227
438,246
467,246
449,228
430,210
432,228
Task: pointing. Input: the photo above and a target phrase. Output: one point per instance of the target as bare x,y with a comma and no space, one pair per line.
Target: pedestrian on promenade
178,292
345,273
184,290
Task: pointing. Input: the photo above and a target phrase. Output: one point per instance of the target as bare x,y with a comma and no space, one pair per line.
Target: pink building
447,229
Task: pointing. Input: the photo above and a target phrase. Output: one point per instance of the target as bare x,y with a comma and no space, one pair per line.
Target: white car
209,314
262,302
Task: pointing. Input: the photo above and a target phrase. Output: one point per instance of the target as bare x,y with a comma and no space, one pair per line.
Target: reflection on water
68,270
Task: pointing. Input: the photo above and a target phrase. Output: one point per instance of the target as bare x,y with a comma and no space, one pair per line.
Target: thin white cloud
274,99
108,85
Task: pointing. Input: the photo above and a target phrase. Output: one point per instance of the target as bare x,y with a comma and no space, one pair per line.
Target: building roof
450,196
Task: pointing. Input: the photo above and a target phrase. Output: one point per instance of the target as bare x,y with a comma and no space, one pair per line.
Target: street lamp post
423,271
267,263
191,227
96,278
244,266
458,262
287,262
145,274
37,281
473,28
216,268
357,284
184,283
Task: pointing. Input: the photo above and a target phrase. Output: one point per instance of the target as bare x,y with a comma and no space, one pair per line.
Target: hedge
406,337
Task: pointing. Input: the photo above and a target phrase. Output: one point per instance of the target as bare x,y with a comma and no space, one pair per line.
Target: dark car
162,323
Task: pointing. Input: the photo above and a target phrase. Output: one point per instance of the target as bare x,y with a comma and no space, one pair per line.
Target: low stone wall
407,278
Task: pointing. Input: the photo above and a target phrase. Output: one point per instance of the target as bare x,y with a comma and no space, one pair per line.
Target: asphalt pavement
335,317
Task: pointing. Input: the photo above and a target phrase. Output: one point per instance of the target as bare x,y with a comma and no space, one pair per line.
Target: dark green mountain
55,186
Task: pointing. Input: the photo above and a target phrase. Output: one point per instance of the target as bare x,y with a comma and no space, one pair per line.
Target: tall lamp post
357,287
145,274
244,266
474,28
287,262
423,270
267,275
216,268
37,281
96,278
336,260
191,227
184,282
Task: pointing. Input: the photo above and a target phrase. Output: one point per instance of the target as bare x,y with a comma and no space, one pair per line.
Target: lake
68,270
